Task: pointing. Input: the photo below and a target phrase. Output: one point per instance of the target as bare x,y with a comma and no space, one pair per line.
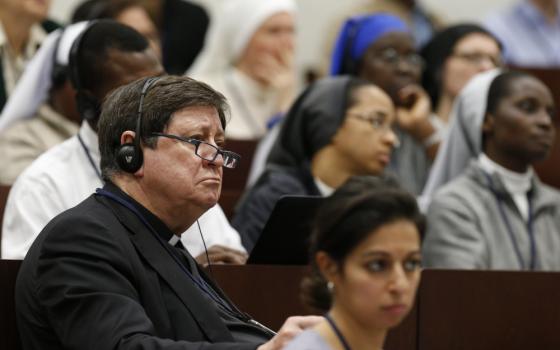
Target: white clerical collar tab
174,239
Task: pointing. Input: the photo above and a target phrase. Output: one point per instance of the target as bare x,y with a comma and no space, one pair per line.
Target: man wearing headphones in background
111,273
105,56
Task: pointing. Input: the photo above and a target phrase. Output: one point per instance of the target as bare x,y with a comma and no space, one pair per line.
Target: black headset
88,106
129,155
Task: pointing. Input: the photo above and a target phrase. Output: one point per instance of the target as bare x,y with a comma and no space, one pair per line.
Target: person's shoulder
55,161
464,190
308,340
281,181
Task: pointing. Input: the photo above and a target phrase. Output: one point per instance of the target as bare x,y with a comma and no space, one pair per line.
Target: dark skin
520,132
62,101
400,80
120,68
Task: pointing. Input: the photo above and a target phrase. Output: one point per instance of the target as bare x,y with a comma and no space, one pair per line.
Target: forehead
280,19
528,86
203,119
122,67
400,41
372,96
477,42
396,236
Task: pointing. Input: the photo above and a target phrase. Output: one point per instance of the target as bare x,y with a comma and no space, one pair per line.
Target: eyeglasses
206,151
392,57
478,58
377,123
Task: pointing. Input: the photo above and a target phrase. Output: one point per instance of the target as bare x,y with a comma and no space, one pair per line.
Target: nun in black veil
337,128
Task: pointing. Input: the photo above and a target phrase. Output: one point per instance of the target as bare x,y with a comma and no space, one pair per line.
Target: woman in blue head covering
380,48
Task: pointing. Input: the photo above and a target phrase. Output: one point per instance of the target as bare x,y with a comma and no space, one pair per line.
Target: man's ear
327,266
127,137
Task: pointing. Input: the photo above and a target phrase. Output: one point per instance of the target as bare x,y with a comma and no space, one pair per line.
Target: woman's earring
330,286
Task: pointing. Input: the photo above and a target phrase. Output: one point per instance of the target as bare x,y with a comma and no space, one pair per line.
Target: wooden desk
483,310
9,338
474,310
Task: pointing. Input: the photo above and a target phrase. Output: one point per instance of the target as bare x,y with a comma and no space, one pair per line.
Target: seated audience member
452,57
421,21
108,55
366,267
41,107
463,140
129,12
249,57
380,48
497,214
338,127
22,30
182,28
530,32
110,272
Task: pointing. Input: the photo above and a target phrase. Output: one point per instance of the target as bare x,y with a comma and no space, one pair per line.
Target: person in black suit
111,272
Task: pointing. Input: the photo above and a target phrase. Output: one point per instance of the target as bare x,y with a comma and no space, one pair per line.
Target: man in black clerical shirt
110,273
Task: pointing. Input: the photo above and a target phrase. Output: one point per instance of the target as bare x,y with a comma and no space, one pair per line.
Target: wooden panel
9,338
235,180
4,190
481,310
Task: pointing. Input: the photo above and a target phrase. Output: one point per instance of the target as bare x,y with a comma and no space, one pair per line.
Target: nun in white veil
31,121
463,139
248,56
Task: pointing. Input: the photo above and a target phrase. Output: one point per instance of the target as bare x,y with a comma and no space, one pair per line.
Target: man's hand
292,327
218,254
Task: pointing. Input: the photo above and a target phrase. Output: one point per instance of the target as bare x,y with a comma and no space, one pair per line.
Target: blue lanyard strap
509,228
338,332
198,281
89,157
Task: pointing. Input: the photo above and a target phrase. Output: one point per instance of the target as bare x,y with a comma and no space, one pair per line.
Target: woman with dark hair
366,264
338,127
453,56
497,214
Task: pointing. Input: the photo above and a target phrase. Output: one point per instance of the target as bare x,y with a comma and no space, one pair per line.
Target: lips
395,309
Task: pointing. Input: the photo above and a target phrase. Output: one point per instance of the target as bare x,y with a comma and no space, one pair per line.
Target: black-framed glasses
393,57
206,151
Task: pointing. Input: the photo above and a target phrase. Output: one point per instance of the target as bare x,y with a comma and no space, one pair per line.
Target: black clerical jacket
97,278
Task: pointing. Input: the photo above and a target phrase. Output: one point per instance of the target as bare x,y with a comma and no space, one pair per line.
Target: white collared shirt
62,178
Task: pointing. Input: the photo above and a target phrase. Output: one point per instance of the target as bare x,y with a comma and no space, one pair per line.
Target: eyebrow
378,253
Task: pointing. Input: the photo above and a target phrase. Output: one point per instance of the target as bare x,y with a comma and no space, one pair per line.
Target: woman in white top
248,57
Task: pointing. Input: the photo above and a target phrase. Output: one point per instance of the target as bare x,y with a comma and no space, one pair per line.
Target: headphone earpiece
128,158
129,155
